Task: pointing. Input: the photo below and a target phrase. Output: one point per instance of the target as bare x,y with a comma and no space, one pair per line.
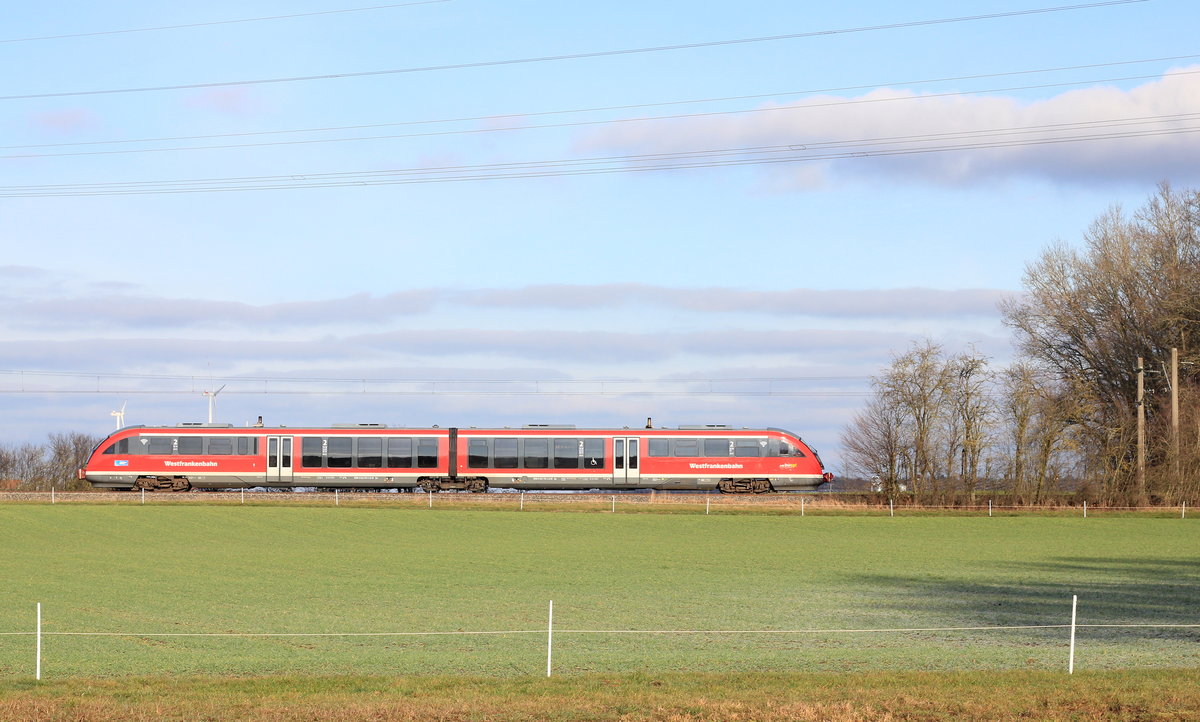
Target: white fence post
614,504
522,501
143,497
38,663
243,495
337,501
1183,511
550,639
891,508
52,495
1085,508
801,506
430,495
707,503
1071,660
989,507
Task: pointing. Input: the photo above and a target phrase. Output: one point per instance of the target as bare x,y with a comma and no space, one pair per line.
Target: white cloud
1101,133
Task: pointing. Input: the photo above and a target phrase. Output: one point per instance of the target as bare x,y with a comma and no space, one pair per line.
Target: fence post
614,504
38,663
1085,508
989,507
1071,660
243,495
550,639
143,497
52,495
522,501
801,506
430,495
707,503
337,501
1183,511
891,508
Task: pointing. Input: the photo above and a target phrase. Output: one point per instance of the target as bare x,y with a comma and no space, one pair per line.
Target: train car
374,456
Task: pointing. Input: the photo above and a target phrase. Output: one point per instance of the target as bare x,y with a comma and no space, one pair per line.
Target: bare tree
873,445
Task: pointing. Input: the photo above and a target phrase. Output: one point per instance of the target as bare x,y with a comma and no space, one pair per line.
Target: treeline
1064,416
50,465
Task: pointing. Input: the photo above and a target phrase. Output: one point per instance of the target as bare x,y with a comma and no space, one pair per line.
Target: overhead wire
633,106
575,56
585,123
218,22
709,158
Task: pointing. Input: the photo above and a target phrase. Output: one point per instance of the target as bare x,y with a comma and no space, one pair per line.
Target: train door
626,469
279,461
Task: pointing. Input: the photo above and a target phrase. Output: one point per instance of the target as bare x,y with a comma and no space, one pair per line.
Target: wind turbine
120,416
212,397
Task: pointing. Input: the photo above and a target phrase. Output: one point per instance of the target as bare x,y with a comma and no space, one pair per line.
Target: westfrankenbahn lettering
190,463
716,466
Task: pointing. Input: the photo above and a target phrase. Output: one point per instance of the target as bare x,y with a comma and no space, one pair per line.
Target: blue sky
920,155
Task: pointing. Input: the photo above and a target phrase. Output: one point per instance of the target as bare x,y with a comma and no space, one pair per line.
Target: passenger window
716,447
747,447
427,453
400,453
593,453
477,453
506,454
537,453
191,445
312,451
245,447
339,451
220,445
370,453
160,445
686,447
658,447
566,453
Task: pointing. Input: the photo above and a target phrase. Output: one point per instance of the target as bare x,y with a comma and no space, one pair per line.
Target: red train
541,457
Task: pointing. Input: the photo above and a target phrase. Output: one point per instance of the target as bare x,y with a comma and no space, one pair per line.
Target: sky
470,213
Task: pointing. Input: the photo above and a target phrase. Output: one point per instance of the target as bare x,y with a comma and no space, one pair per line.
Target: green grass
143,570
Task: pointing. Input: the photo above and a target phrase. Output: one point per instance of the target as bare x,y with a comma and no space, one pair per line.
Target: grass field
144,571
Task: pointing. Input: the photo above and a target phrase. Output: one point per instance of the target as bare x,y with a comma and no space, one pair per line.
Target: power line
578,56
612,121
694,101
711,158
219,22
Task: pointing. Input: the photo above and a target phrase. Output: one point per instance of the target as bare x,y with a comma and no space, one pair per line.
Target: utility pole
1141,430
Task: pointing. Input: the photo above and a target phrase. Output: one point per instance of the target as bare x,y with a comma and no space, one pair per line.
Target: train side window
658,447
160,445
191,445
370,452
686,447
593,453
566,453
339,452
427,453
618,453
506,454
399,453
747,447
537,453
312,451
716,447
220,445
247,446
477,453
633,453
